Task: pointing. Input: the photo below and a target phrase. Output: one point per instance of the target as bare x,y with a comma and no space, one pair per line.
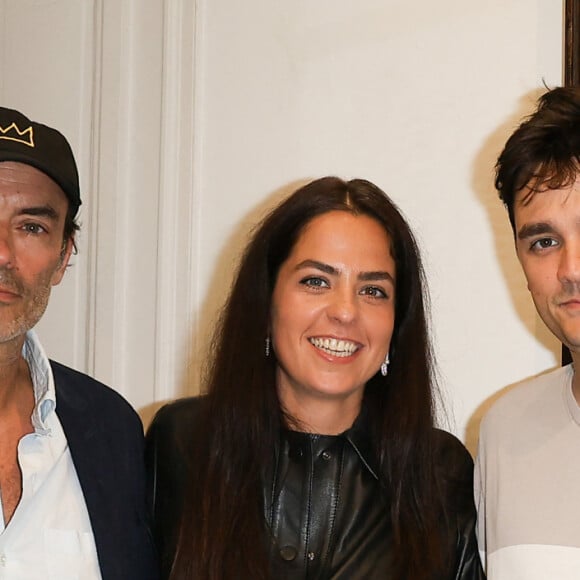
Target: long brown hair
223,532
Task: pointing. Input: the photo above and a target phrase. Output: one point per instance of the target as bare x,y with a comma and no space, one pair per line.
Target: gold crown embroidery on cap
13,133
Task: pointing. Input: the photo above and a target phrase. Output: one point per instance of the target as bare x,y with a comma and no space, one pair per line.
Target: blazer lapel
89,448
105,439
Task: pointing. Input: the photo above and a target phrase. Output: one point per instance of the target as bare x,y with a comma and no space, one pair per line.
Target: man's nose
6,248
569,266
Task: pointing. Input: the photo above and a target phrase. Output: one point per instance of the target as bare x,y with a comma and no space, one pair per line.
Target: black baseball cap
42,147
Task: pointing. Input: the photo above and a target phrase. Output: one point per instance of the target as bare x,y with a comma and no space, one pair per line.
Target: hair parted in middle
242,419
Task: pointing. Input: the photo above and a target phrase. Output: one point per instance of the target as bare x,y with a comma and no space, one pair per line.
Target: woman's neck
321,415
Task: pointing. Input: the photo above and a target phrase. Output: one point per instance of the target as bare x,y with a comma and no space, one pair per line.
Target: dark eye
374,292
543,243
33,228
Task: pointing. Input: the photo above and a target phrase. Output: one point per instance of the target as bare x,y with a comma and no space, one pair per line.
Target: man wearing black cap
71,472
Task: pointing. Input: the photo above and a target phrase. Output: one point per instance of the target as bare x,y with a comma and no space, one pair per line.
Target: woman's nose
343,306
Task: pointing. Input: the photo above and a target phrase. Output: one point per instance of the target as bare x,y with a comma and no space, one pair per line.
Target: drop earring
267,346
385,366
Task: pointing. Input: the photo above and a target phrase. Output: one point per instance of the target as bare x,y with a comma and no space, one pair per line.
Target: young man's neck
576,377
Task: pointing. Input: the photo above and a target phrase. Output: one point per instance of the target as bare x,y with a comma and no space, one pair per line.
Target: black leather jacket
323,502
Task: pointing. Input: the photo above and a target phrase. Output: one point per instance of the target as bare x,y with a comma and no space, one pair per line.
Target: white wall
190,118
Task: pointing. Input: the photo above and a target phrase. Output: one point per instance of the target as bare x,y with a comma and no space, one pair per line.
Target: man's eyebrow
332,271
535,229
40,211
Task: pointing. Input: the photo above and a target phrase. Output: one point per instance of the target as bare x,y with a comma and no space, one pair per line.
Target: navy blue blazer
105,437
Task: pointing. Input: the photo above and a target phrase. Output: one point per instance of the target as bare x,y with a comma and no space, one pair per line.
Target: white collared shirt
49,536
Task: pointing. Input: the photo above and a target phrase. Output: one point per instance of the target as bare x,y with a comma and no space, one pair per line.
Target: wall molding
178,204
142,282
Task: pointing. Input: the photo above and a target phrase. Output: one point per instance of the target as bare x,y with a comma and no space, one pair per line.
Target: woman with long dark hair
313,453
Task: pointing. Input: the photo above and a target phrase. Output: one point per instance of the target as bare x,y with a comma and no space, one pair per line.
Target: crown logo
13,133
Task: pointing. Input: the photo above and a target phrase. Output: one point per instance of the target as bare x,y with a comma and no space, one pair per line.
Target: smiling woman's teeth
334,347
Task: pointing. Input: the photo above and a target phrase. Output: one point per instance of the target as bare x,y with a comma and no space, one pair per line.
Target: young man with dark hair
528,467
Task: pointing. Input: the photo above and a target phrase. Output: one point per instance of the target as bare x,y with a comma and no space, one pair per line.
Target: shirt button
288,553
311,556
2,560
326,455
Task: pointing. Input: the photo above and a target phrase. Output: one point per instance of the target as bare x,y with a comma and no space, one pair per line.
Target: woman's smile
335,346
